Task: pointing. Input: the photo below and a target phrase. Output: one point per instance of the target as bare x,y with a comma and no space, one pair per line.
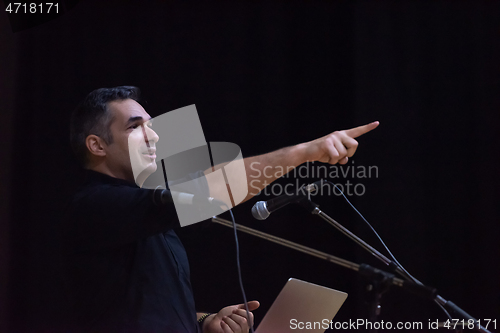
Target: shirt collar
94,176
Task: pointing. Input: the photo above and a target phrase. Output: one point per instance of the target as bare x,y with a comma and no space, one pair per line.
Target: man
127,270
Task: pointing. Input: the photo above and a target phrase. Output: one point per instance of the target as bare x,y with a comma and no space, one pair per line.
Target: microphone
262,209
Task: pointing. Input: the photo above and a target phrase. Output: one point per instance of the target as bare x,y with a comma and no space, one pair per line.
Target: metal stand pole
314,209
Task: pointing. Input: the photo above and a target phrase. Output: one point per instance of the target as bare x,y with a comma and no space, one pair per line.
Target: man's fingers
243,313
235,327
360,130
241,321
225,327
350,144
341,149
344,160
252,305
331,152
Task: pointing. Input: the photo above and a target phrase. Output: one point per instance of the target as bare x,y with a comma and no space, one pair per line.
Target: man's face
132,155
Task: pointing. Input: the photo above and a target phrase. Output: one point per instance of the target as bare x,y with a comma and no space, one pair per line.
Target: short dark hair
92,116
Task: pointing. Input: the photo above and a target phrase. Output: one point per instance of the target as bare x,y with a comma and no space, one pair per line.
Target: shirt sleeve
112,215
109,215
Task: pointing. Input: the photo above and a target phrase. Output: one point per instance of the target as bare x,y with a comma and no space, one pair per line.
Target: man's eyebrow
132,120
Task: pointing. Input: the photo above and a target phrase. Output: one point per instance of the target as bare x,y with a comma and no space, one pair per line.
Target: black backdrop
266,75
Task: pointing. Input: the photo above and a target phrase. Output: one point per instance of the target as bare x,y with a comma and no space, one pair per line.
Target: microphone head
259,211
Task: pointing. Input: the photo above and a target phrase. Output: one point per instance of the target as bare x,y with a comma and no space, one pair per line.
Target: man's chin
147,171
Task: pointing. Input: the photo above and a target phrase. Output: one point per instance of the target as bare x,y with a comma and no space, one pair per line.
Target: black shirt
127,270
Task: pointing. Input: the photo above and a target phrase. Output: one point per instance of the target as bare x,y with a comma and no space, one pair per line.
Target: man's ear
95,145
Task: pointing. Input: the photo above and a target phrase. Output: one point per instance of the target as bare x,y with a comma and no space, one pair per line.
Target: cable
239,271
407,275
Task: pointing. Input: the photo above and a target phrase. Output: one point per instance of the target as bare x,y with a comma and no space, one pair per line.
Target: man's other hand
231,319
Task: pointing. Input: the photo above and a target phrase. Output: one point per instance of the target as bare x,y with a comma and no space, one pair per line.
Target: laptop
302,307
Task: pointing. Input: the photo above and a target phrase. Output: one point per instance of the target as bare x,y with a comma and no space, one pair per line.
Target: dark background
266,75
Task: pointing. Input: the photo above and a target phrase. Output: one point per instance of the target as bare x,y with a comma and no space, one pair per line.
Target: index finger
360,130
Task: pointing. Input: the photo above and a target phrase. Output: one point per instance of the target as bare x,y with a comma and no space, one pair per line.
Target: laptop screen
302,306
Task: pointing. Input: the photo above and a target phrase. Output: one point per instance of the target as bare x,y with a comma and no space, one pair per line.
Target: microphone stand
383,278
382,282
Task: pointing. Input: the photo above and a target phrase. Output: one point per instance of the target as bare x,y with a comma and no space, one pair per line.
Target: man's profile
142,148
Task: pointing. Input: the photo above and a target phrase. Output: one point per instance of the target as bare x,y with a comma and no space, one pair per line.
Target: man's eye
134,126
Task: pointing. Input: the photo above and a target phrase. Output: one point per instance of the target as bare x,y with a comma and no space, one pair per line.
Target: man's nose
151,134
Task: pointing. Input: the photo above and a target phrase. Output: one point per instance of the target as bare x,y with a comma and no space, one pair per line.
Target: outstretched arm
262,170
